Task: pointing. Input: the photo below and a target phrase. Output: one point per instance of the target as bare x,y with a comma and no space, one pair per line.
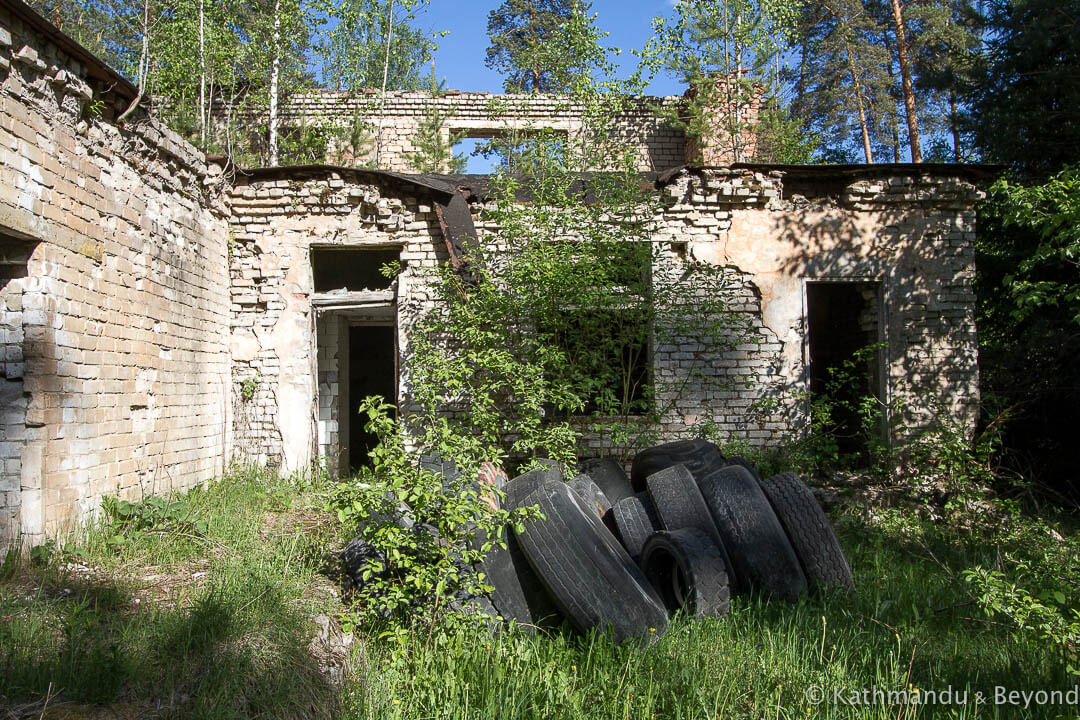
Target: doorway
843,326
372,371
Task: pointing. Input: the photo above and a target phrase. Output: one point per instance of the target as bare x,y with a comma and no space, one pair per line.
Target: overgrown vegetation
915,627
198,605
534,344
1028,293
218,625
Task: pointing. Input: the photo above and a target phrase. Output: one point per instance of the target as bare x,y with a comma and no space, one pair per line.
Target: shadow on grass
235,649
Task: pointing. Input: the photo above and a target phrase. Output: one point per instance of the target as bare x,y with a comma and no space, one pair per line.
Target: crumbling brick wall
119,328
655,144
277,219
911,232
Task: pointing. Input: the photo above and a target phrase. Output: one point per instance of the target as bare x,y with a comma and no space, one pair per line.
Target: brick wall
912,233
276,337
655,145
118,331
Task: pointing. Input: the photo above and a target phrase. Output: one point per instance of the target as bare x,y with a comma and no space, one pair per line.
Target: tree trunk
895,123
275,78
859,104
954,121
535,43
800,86
144,64
905,76
202,75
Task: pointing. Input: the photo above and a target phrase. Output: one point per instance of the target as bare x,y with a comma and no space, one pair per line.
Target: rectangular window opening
486,150
351,269
610,359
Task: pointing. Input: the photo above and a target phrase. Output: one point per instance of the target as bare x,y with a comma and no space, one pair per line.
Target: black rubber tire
435,462
689,572
699,457
587,573
526,484
611,478
590,494
635,520
743,462
357,556
809,531
517,593
756,542
679,505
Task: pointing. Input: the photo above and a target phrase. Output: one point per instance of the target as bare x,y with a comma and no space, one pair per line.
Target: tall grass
911,627
230,635
199,624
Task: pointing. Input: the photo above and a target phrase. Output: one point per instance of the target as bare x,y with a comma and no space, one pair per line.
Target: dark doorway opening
372,371
845,357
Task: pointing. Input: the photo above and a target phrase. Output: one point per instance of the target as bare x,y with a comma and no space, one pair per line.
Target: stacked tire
684,533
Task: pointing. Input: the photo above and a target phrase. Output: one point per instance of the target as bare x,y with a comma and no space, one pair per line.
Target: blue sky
460,58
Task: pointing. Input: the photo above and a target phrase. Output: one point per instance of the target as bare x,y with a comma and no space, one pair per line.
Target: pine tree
730,53
1025,103
847,83
521,32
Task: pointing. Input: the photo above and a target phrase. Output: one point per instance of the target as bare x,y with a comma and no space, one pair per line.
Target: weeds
203,610
912,628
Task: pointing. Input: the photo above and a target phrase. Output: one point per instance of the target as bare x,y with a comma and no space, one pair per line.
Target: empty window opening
609,359
351,269
485,151
845,359
372,371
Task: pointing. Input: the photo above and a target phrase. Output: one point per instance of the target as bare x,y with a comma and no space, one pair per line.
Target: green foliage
435,151
1049,615
847,428
729,53
1030,125
782,136
1028,290
535,44
1047,274
353,48
419,568
304,145
248,386
124,522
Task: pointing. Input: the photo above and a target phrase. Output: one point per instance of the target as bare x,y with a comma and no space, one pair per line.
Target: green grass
911,625
203,625
224,623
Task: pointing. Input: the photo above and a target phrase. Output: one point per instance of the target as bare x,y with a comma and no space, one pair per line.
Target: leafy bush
1048,612
1028,315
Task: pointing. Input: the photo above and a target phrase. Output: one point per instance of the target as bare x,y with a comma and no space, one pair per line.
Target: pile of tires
687,530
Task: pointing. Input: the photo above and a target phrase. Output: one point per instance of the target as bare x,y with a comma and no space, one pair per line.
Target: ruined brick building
161,316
